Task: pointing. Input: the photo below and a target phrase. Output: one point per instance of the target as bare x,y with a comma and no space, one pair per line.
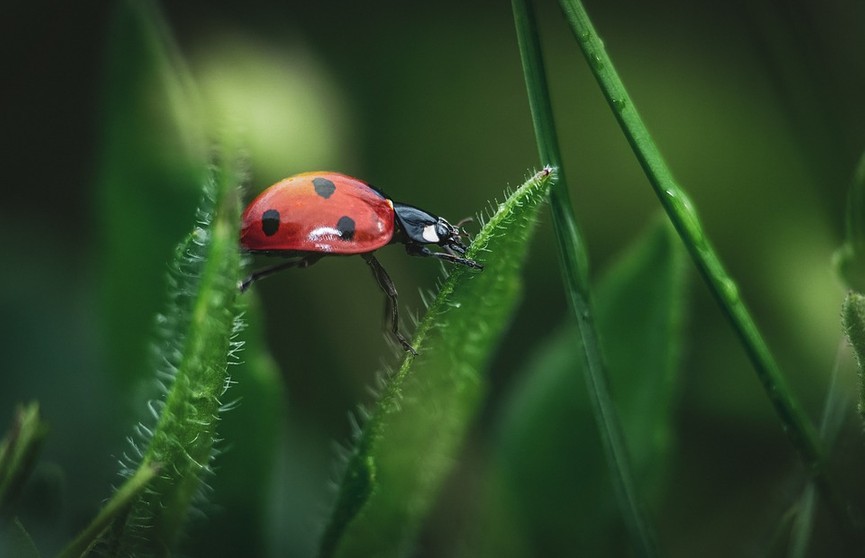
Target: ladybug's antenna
459,227
463,221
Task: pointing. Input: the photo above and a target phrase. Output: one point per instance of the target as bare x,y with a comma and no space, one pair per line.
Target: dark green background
755,105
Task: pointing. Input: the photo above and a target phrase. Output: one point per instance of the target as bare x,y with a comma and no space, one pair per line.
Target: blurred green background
756,106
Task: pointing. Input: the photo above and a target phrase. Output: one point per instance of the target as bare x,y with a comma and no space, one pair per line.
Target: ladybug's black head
421,227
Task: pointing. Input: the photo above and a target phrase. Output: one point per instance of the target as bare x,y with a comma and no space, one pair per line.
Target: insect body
311,215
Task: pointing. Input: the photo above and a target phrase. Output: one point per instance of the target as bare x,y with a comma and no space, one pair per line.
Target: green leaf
18,452
410,439
197,342
569,509
640,305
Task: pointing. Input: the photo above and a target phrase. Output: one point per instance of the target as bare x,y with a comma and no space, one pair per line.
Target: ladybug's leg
303,261
384,281
418,250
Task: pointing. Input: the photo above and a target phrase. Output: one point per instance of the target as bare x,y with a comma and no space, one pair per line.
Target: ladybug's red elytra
315,214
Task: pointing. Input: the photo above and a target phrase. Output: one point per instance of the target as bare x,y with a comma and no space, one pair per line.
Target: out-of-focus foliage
569,508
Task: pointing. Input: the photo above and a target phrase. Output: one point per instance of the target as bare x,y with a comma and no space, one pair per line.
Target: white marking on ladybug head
430,234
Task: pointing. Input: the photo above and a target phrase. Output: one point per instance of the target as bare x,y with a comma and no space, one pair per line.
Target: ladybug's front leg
418,250
384,281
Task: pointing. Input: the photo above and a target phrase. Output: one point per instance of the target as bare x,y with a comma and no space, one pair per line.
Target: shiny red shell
323,212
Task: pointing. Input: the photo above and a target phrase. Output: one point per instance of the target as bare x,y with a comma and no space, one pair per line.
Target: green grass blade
566,511
243,488
410,439
152,171
798,428
197,332
574,260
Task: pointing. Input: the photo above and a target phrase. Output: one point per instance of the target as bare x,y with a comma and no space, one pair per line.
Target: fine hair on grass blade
410,438
574,263
197,342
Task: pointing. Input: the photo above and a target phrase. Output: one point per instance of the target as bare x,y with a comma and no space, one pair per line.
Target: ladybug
315,214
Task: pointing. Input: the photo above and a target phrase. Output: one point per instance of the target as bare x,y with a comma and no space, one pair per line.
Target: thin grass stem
681,213
574,264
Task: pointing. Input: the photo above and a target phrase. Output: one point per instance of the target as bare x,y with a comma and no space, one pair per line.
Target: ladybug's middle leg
302,261
384,281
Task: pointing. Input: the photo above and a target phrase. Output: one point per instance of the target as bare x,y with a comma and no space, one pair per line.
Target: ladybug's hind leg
384,281
302,261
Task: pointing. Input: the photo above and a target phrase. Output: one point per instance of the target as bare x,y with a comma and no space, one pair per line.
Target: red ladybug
311,215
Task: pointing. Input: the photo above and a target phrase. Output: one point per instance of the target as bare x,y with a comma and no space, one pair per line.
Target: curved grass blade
197,342
255,428
574,263
410,439
794,422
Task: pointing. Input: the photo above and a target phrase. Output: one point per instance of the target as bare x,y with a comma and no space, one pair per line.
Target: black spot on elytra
323,187
270,222
345,226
